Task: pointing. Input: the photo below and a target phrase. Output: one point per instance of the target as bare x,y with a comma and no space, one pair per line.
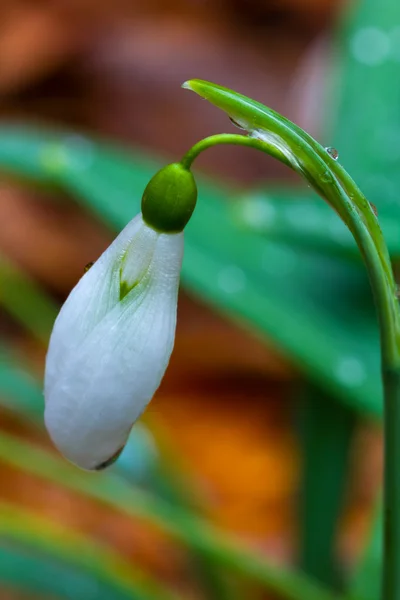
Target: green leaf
366,584
19,390
139,463
57,561
363,94
192,531
25,301
296,217
361,119
326,434
39,576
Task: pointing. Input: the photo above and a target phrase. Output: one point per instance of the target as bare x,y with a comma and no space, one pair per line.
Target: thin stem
334,184
232,140
389,329
289,144
391,506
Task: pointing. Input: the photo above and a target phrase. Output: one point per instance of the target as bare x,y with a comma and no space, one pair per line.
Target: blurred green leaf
26,302
192,531
366,584
296,216
326,433
139,463
362,101
19,390
361,119
247,283
316,308
338,345
40,577
87,569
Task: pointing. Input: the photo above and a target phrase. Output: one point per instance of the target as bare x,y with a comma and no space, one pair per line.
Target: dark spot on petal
88,266
110,461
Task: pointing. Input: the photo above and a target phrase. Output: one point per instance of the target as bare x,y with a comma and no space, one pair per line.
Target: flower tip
214,93
199,86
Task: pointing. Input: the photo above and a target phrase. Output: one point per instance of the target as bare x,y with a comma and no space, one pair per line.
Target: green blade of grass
362,100
25,301
19,390
366,581
294,216
326,433
186,528
139,462
39,535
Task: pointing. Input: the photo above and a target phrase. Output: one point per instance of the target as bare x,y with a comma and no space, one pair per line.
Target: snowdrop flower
113,338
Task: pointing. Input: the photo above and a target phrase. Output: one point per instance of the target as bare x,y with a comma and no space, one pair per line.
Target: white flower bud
111,344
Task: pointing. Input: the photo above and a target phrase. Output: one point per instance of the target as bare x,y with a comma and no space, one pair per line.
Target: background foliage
274,259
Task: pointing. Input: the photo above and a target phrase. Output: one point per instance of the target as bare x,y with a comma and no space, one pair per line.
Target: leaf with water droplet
333,153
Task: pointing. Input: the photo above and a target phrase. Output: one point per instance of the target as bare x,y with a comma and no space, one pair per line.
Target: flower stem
286,142
233,140
391,507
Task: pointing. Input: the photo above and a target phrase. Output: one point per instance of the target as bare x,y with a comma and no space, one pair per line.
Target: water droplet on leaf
333,153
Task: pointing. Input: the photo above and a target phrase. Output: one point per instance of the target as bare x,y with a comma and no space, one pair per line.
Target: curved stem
290,145
233,140
333,183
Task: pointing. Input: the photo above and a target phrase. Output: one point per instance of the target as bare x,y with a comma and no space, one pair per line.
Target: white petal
107,375
92,298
